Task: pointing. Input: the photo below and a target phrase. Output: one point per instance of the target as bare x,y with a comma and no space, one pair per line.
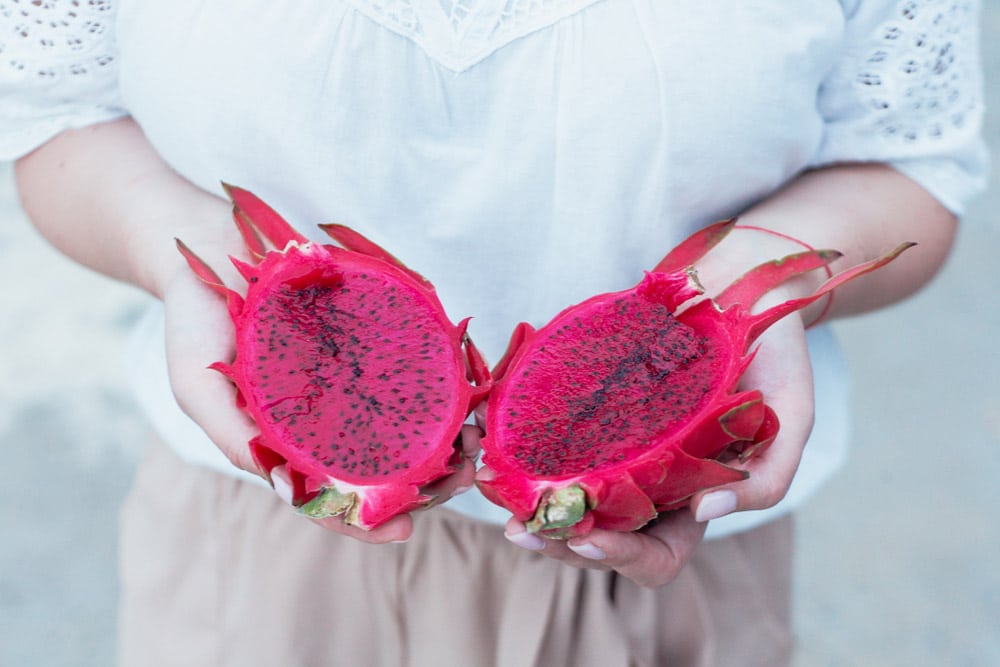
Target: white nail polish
526,541
716,504
588,551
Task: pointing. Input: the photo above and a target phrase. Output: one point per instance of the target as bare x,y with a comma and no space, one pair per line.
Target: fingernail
459,490
589,551
715,504
526,541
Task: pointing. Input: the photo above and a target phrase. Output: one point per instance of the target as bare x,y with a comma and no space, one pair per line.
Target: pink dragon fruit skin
348,365
627,404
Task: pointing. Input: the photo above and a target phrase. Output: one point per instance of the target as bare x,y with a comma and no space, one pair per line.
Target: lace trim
460,33
51,40
58,69
917,78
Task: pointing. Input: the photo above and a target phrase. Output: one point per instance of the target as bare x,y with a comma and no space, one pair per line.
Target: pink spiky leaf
522,332
752,285
251,239
763,438
264,218
759,323
478,371
246,271
734,417
696,246
689,475
205,273
356,242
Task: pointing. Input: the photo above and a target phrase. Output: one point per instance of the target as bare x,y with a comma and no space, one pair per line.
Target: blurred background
898,559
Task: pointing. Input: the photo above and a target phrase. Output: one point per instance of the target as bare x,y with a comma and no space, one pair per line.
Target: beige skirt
218,572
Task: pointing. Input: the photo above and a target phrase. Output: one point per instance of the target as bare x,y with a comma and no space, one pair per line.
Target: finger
471,437
397,529
516,534
651,557
209,399
462,479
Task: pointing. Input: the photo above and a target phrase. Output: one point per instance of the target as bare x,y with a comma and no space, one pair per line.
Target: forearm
103,196
862,210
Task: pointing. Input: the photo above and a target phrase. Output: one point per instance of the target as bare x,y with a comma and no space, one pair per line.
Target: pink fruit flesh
349,366
333,378
625,405
654,372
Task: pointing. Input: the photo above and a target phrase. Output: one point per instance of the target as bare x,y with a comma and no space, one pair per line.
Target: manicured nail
716,504
526,541
459,490
588,551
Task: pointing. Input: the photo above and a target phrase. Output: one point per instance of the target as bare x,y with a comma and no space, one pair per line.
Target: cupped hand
651,557
199,332
654,555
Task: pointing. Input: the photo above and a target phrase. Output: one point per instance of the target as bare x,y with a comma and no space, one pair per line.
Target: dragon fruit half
348,365
625,405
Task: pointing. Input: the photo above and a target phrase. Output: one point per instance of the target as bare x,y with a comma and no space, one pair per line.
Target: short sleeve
58,70
908,91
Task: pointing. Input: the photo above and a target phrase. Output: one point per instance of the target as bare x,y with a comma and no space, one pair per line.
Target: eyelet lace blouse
523,154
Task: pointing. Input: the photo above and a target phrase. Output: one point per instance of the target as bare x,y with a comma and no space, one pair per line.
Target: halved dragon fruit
349,366
625,405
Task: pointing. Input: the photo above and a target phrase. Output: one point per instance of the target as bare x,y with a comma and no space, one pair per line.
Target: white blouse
522,154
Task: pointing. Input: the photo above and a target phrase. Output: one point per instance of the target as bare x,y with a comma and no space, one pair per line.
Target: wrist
202,220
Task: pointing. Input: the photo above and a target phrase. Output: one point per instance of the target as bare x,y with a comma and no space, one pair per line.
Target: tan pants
218,572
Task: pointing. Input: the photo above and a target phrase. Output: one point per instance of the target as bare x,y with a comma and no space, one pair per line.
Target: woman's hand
862,210
653,556
200,332
781,370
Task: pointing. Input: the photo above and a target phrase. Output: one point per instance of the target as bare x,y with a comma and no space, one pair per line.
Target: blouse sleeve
58,70
908,91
